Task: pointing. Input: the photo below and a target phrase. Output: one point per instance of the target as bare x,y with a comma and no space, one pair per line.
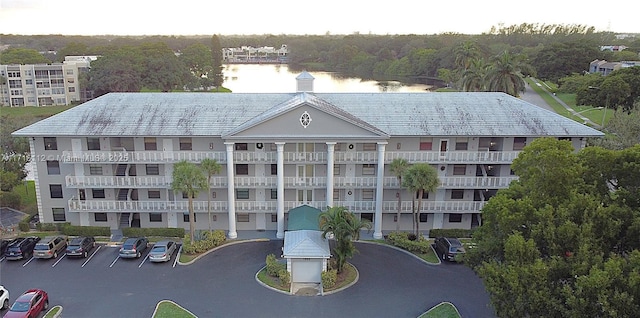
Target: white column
377,221
330,162
280,190
231,198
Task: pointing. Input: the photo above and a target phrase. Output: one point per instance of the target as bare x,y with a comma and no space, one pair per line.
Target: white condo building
109,161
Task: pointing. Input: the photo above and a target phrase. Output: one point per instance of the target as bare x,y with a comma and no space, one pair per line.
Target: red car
29,304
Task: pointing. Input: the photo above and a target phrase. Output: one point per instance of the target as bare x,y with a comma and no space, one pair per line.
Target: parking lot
222,284
101,257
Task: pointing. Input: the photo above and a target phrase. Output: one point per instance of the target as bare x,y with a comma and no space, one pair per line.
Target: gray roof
388,114
305,244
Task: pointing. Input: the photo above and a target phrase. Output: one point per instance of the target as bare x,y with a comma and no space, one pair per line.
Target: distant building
248,54
605,68
109,161
44,84
613,48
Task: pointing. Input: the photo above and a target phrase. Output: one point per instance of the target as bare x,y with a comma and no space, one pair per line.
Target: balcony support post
330,164
231,200
280,190
377,221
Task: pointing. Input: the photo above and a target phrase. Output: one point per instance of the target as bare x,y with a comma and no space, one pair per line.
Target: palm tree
188,179
505,74
345,227
398,167
474,79
210,167
419,178
465,53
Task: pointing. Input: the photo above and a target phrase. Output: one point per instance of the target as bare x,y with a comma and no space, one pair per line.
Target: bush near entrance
208,241
458,233
409,242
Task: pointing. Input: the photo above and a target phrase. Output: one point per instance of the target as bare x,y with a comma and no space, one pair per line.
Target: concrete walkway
534,98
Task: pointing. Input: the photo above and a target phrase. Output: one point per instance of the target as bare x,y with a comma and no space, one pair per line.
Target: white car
4,297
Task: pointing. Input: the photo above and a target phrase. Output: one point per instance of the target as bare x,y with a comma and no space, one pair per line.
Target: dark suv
448,248
81,246
133,247
21,248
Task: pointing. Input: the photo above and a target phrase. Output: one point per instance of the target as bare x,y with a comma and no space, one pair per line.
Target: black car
448,248
4,244
21,248
133,247
81,246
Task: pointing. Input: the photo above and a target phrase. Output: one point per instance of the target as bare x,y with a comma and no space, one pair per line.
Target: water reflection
276,78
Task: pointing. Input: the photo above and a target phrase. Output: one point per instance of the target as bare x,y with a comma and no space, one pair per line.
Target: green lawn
168,309
442,310
31,111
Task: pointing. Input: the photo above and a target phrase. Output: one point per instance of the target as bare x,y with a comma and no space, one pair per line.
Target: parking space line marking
145,258
2,259
114,261
29,261
58,261
88,259
175,261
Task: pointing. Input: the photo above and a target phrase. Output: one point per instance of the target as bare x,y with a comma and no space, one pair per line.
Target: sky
251,17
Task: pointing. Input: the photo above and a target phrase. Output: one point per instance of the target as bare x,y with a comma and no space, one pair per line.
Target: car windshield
73,247
42,247
20,306
159,249
456,249
75,242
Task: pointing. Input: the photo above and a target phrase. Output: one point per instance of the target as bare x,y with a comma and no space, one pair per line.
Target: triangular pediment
309,117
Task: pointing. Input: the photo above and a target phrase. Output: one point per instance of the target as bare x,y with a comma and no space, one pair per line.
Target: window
53,167
455,218
58,214
50,143
184,195
56,191
274,194
369,147
242,194
461,145
457,194
150,143
95,170
423,217
155,217
185,217
519,143
153,169
367,194
367,216
274,169
242,146
336,170
368,169
243,217
93,143
154,194
274,218
98,193
459,170
336,194
426,145
100,217
425,195
185,143
242,169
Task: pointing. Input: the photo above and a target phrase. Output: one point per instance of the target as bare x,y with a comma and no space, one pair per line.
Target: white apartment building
109,161
42,84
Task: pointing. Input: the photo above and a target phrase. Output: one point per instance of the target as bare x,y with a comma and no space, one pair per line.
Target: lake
276,78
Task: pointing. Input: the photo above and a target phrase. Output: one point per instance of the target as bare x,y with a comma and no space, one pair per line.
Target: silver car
162,251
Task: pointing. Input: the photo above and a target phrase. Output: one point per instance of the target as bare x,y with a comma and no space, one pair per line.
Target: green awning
303,217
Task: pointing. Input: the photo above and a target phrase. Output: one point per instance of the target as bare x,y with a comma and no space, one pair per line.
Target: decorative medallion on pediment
305,119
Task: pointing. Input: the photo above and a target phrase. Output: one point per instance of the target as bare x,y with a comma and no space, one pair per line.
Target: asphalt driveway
222,284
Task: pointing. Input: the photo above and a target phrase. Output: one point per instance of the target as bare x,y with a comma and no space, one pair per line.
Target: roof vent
304,82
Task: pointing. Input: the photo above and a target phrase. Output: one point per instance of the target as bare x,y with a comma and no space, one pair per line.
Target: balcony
474,157
243,206
117,182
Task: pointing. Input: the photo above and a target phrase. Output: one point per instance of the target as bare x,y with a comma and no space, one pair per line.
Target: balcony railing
242,206
340,157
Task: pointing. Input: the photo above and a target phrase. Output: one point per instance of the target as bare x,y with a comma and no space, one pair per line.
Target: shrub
464,233
285,277
50,227
74,230
401,240
329,278
23,226
10,199
208,241
167,232
273,266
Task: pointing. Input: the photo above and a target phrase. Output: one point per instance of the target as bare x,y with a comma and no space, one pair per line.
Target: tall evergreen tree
216,54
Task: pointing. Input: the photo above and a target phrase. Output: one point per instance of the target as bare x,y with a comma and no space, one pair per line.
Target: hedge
401,240
459,233
208,241
167,232
74,230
